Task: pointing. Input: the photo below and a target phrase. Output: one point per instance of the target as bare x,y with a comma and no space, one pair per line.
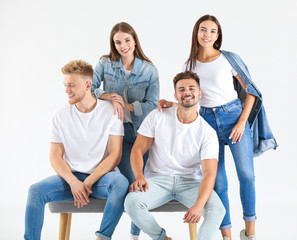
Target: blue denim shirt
142,85
263,139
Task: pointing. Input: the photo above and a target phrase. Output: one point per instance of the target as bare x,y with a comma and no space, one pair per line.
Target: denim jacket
142,85
263,139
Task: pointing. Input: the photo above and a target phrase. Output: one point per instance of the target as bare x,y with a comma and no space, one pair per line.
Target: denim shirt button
214,109
136,122
130,86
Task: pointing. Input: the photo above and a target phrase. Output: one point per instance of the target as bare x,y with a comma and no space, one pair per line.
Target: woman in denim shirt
131,82
232,105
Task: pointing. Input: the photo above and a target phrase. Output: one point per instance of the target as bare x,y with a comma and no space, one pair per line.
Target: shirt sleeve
210,146
55,135
148,125
117,127
234,73
98,77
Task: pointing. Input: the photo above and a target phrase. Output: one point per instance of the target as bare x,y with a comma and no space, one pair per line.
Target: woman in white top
222,109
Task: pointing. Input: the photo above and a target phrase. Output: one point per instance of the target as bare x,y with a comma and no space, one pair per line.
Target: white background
39,37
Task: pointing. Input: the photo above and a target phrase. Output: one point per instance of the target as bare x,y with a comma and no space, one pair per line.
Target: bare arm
163,103
114,147
238,129
209,171
79,190
140,147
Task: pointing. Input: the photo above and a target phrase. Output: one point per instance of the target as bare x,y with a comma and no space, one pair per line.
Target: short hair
186,75
78,67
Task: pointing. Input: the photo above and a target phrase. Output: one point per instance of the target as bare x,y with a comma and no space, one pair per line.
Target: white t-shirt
177,149
216,82
85,135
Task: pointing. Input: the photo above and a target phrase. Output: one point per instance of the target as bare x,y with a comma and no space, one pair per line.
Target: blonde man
86,139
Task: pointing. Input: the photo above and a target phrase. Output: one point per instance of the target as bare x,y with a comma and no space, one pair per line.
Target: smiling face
187,92
76,87
207,33
124,43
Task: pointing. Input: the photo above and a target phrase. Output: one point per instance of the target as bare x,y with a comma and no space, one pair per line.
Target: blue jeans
163,189
113,186
223,119
125,166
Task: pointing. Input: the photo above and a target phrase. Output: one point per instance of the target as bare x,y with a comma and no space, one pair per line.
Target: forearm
105,96
62,169
248,105
105,166
129,107
205,189
136,160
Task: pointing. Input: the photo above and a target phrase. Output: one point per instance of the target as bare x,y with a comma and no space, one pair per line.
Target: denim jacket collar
136,67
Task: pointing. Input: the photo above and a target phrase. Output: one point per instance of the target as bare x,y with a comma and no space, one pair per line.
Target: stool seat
96,205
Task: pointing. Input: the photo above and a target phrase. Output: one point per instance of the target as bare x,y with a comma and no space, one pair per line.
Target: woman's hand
117,98
118,108
237,132
164,104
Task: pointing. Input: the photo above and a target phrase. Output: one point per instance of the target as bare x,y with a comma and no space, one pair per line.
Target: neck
128,62
87,104
206,54
187,115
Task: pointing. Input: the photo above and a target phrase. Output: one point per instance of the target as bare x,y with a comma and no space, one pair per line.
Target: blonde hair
78,67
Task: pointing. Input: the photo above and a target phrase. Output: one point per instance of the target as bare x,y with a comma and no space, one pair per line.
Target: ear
175,96
200,94
88,85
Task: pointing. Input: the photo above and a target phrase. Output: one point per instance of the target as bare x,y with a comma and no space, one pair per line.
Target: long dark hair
125,28
191,62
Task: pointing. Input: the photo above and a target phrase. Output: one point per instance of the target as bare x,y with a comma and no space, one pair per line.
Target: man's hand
193,215
139,183
80,192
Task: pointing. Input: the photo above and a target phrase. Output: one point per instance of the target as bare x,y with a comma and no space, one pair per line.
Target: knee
215,206
246,176
120,184
132,203
220,187
129,203
35,190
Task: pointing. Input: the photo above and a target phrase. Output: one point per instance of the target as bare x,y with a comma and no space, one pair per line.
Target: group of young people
123,144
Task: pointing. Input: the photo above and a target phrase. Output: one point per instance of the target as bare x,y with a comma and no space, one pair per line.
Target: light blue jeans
125,166
113,186
223,119
163,189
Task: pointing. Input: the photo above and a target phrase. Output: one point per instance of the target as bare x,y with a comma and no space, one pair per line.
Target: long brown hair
125,28
191,62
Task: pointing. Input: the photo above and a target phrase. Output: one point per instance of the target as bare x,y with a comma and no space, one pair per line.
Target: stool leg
63,225
193,231
68,226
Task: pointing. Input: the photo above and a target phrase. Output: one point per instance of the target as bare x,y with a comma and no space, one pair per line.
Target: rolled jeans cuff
249,218
98,234
226,227
163,234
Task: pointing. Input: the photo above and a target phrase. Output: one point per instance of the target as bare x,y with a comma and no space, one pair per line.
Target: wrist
139,176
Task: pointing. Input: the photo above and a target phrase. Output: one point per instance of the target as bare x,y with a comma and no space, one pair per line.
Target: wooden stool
97,206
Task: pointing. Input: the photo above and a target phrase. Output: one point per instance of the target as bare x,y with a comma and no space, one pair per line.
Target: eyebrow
211,29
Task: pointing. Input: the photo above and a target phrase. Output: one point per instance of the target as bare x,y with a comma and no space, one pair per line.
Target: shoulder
205,127
231,55
146,66
65,109
105,106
